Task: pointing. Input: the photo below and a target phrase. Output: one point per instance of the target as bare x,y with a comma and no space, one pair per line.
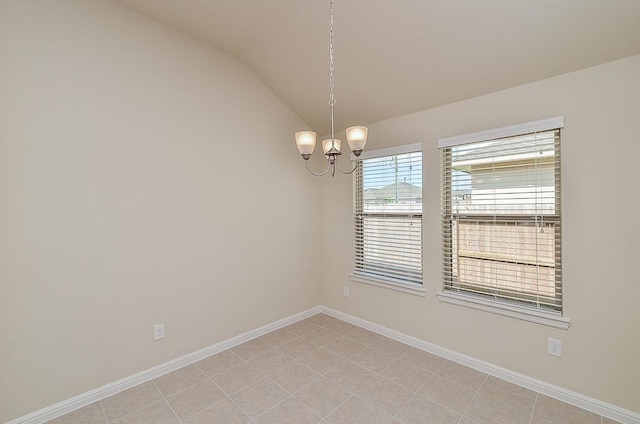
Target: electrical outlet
345,291
158,331
554,347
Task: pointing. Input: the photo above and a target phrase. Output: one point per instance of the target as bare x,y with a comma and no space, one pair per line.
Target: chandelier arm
355,166
317,174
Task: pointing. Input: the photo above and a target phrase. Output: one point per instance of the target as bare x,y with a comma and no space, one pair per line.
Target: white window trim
537,316
502,132
389,151
414,289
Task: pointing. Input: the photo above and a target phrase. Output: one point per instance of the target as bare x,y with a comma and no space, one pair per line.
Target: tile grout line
395,415
343,387
200,382
136,411
166,401
223,391
324,375
535,402
395,359
434,374
351,395
321,375
166,397
173,411
379,375
186,388
104,413
268,377
438,403
475,395
289,396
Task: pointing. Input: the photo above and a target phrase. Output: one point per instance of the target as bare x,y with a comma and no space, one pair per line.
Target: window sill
414,289
539,317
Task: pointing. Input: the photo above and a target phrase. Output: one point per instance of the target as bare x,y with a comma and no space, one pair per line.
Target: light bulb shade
357,138
306,142
326,145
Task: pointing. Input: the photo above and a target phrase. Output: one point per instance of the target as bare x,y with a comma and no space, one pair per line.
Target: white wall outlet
158,331
554,347
345,291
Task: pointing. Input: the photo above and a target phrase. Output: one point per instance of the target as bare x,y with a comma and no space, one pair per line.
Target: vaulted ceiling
402,56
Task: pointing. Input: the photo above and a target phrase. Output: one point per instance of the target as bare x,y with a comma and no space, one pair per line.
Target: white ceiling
402,56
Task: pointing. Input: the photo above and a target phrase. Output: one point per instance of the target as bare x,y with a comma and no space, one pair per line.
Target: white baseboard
601,408
54,411
598,407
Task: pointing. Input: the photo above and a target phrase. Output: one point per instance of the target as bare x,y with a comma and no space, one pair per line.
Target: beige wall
144,178
123,145
600,151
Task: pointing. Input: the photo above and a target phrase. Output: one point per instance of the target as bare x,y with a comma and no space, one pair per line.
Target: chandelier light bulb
357,138
306,142
326,145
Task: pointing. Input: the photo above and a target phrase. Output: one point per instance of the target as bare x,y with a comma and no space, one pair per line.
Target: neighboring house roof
402,190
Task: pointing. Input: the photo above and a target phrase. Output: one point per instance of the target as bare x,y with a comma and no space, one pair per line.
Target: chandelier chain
332,99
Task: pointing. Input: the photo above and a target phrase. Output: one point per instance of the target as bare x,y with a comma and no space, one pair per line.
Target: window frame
520,310
359,275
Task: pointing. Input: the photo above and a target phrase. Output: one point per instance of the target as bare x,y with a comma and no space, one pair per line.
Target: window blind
388,218
501,219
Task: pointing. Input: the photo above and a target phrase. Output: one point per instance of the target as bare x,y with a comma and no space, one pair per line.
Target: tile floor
326,371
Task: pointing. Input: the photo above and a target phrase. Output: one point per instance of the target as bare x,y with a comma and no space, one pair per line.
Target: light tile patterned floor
325,371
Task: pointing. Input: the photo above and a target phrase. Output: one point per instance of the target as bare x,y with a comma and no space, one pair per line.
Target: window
501,220
387,206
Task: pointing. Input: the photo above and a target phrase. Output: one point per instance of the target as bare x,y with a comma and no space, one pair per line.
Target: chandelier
356,136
